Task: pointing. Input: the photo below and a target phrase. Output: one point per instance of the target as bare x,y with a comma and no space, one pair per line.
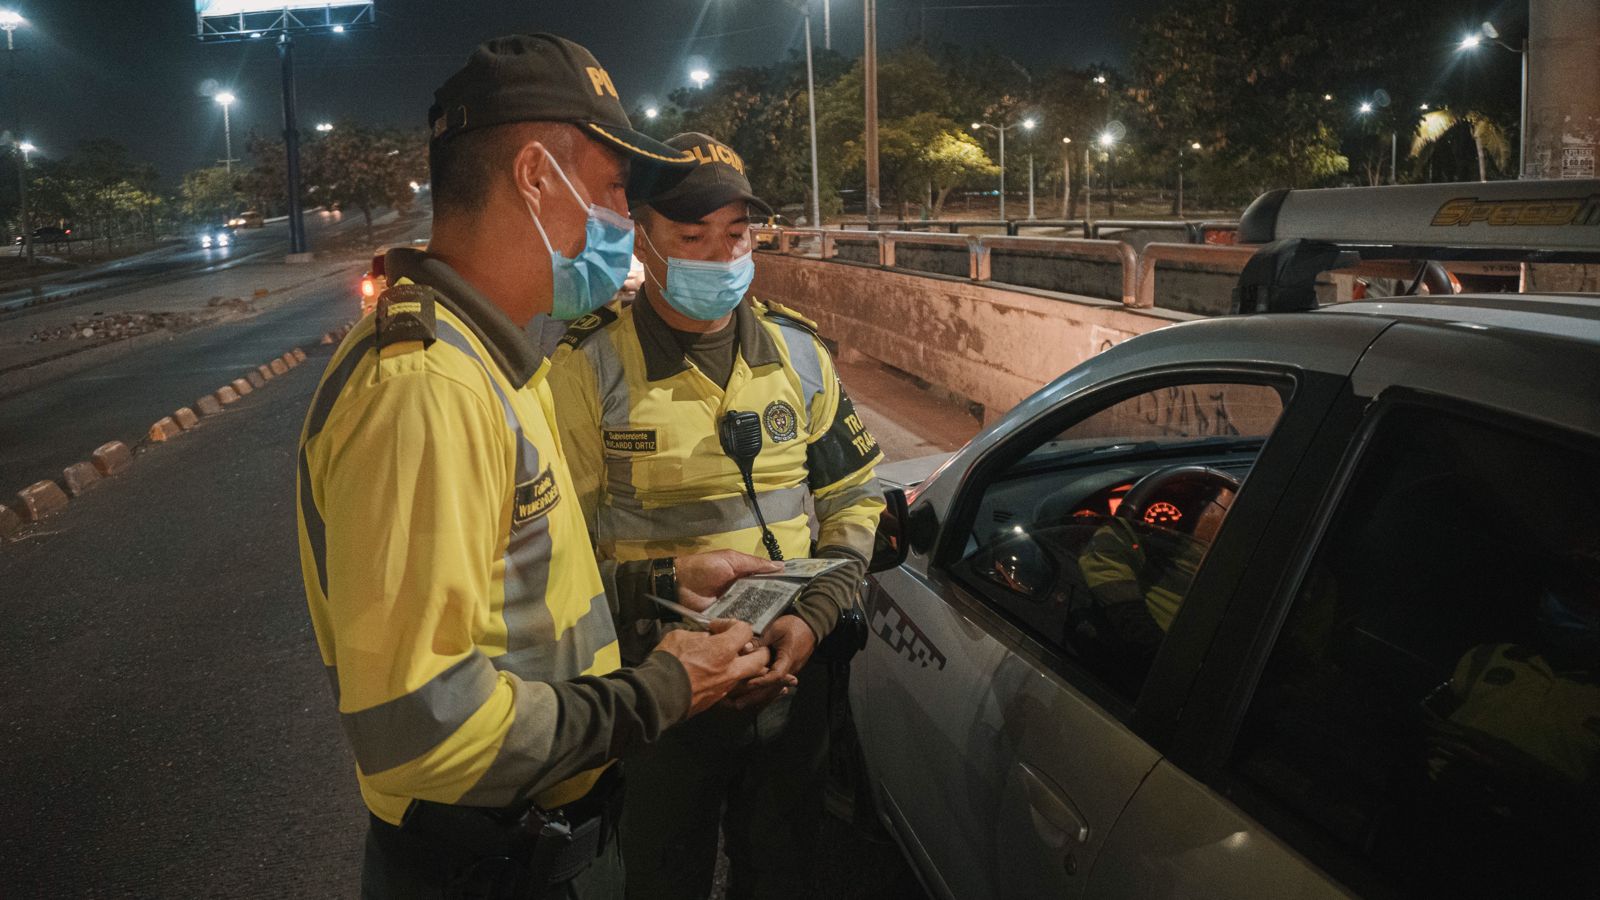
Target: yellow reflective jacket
455,596
639,422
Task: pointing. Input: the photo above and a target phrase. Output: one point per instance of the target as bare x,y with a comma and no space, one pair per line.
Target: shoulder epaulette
586,325
405,312
786,315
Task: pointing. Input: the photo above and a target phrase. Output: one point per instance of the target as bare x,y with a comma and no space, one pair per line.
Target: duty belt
522,849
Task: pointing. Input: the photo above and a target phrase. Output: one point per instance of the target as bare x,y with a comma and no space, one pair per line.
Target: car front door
997,703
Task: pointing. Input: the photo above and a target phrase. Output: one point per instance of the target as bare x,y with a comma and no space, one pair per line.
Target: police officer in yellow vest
454,592
640,395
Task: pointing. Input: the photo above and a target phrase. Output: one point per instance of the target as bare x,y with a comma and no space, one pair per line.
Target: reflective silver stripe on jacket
625,518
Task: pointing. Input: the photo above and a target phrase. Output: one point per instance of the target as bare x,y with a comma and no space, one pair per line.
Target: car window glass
1432,702
1091,539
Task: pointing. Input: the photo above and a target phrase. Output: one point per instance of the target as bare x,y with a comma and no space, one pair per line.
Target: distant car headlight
205,240
222,240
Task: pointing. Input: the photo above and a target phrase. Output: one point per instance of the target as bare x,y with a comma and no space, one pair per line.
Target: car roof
1569,316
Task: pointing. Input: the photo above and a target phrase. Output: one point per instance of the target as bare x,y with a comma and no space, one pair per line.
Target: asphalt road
60,423
169,731
180,261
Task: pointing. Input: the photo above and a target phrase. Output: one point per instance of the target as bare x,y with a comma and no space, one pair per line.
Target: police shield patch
535,498
780,420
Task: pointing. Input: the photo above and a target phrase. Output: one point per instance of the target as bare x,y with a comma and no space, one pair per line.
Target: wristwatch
664,584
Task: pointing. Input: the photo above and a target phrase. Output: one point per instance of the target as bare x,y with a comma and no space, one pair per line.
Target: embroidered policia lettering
535,498
639,441
601,81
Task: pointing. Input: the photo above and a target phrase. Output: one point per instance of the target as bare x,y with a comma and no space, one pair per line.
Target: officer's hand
714,660
791,641
702,577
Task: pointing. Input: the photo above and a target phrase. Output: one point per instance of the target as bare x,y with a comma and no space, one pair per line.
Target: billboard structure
222,21
239,20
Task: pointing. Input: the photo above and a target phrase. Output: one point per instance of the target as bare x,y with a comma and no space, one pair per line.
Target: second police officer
641,396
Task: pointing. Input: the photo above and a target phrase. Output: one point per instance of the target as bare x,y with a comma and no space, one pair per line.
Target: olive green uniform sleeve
841,464
403,483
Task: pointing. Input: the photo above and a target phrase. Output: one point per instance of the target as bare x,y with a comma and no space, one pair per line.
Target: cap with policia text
716,180
541,78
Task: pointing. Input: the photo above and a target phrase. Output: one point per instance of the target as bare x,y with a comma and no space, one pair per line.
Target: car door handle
1050,803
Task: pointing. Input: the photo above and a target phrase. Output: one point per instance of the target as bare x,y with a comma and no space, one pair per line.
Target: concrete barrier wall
1049,271
991,344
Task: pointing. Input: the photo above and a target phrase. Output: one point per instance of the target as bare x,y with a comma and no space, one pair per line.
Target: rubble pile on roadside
116,326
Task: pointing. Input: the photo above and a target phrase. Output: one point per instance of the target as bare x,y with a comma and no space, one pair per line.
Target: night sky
133,70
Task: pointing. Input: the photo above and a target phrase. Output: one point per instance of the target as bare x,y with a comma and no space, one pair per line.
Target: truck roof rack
1309,232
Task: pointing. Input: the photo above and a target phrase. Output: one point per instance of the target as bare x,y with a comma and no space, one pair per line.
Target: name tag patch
535,498
639,440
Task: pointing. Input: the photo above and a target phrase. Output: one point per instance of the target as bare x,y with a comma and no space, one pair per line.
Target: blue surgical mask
705,291
588,281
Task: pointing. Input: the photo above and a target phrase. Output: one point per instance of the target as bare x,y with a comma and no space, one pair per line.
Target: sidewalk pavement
908,420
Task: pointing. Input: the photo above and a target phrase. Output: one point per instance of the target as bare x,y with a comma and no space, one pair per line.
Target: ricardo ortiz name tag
633,440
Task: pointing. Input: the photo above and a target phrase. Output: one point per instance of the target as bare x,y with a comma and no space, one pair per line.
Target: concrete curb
112,458
79,477
43,498
40,499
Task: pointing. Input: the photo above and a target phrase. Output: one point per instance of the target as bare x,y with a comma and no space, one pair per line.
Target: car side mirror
892,542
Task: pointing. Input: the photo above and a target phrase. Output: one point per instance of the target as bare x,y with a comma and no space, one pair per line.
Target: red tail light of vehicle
369,288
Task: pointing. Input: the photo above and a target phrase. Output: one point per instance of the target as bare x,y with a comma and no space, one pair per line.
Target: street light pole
11,21
811,104
1066,178
291,145
827,26
1030,185
870,70
1475,40
225,99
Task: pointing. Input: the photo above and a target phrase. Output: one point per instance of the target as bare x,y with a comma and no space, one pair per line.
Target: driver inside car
1138,573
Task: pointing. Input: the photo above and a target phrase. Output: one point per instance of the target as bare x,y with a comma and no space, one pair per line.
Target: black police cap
541,78
717,179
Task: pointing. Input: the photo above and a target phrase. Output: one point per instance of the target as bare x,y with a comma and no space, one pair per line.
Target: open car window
1090,540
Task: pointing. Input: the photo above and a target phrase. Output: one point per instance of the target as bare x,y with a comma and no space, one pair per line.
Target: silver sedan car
1300,604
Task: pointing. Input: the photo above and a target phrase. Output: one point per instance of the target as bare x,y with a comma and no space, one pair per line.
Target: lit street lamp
651,112
1108,141
700,77
1193,145
324,127
1029,123
10,21
226,99
1473,41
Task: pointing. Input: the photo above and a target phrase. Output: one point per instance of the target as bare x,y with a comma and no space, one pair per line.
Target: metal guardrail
980,250
1194,231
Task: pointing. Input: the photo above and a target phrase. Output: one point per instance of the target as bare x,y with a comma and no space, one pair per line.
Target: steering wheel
1148,489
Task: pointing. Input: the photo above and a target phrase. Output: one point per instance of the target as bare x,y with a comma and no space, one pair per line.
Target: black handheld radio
740,433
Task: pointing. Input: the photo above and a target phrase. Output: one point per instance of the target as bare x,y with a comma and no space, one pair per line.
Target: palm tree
1488,137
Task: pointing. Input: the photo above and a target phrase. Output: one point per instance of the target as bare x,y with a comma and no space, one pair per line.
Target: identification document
758,599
